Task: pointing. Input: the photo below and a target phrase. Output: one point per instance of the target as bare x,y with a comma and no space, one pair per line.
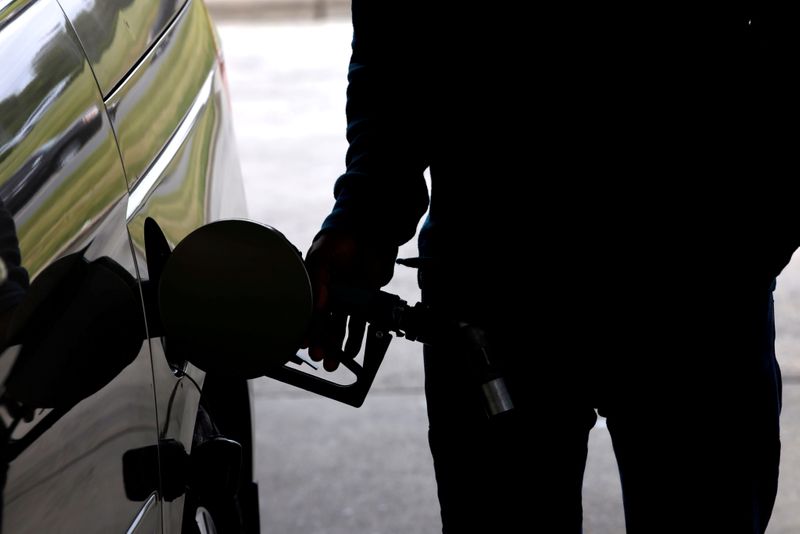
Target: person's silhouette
585,209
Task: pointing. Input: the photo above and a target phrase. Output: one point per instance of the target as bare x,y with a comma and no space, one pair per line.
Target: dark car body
113,112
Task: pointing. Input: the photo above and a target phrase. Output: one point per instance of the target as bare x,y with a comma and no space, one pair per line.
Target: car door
62,179
183,174
171,119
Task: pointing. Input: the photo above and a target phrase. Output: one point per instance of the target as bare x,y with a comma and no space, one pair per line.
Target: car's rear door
62,178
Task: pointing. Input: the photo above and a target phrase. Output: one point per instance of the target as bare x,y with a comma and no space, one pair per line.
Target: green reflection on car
150,106
183,208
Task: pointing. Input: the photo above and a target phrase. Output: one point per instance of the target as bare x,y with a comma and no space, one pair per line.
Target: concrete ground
325,468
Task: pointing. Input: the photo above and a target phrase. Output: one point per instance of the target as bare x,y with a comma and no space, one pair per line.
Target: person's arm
382,195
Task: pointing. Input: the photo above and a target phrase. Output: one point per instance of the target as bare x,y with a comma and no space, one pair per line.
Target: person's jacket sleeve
383,194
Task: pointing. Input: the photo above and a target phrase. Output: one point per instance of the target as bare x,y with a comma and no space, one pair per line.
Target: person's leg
699,451
518,474
521,473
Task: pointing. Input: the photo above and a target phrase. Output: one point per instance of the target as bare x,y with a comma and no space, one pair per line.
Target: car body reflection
66,421
50,158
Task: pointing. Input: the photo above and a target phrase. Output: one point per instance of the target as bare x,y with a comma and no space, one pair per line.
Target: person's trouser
697,447
518,474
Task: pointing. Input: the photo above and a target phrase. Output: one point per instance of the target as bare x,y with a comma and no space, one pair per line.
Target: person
603,202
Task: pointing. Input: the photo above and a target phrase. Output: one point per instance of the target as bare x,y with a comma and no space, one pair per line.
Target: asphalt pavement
325,468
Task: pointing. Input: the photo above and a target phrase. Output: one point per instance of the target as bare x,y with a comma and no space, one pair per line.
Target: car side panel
62,179
116,33
181,201
147,108
193,179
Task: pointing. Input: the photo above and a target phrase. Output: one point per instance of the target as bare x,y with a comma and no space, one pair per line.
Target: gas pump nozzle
241,289
387,313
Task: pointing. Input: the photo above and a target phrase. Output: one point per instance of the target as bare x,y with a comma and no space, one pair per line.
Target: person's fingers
319,273
321,296
334,337
320,276
327,336
355,335
316,348
319,264
330,364
318,327
316,352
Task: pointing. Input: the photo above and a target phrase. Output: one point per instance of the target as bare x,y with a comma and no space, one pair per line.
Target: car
116,143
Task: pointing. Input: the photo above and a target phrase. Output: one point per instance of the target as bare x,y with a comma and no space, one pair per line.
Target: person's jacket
576,150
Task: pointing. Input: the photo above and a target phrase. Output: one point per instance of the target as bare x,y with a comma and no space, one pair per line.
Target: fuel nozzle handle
419,322
388,312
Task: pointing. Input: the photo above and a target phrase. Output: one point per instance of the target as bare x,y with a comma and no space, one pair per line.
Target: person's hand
341,259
